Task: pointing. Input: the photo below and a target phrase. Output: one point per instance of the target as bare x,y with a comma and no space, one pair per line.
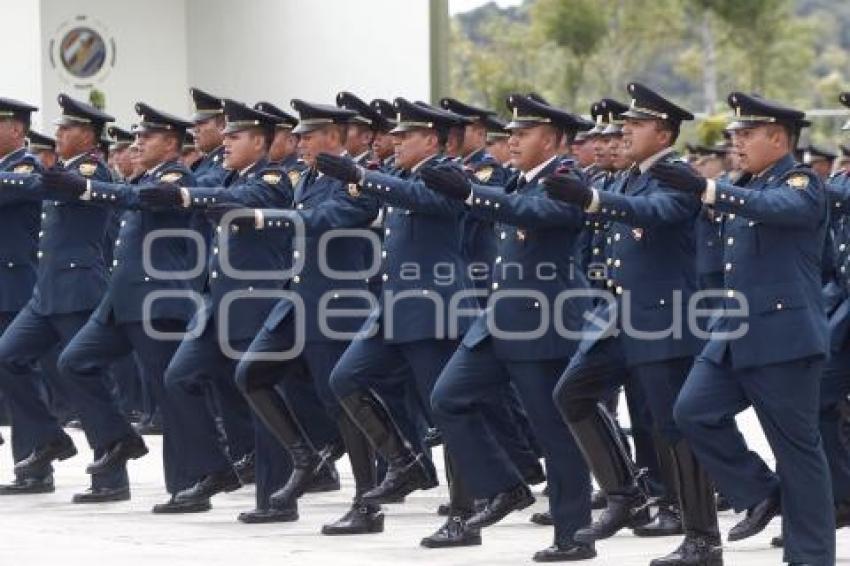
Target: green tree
577,28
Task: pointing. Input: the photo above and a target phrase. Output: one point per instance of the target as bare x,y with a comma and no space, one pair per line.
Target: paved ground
47,529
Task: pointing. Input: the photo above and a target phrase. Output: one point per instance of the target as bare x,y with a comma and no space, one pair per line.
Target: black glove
342,168
216,212
164,195
64,182
680,177
447,180
568,188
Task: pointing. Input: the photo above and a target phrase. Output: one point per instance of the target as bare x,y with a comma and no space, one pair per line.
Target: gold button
730,240
730,293
296,279
728,267
384,277
616,263
40,254
495,286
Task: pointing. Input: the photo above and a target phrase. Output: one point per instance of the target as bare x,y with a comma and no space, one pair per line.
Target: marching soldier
322,204
127,321
415,332
497,141
653,271
284,148
362,129
71,281
207,125
20,220
835,382
541,232
220,330
382,146
43,147
772,252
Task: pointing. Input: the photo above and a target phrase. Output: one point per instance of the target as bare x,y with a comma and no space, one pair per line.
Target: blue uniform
424,231
772,254
322,204
651,275
835,384
230,318
117,327
20,220
532,231
71,279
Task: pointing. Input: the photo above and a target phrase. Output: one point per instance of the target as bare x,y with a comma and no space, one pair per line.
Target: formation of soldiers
408,275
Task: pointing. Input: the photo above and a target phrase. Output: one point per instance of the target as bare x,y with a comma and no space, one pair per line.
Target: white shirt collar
530,175
423,162
246,169
69,162
653,159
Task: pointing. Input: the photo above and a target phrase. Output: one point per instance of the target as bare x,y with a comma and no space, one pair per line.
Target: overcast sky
457,6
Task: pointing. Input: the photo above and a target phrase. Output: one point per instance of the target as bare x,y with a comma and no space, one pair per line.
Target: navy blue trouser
85,362
474,378
30,337
785,397
369,362
835,386
198,367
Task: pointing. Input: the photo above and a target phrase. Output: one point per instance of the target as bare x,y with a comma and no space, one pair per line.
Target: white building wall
20,43
310,49
150,54
251,50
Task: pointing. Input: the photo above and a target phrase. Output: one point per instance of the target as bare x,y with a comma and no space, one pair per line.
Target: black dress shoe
454,532
245,469
501,505
534,475
102,495
666,523
543,519
622,511
566,551
219,482
307,464
400,481
361,519
271,515
695,550
433,438
60,448
777,542
28,486
326,479
757,519
130,447
172,506
722,503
